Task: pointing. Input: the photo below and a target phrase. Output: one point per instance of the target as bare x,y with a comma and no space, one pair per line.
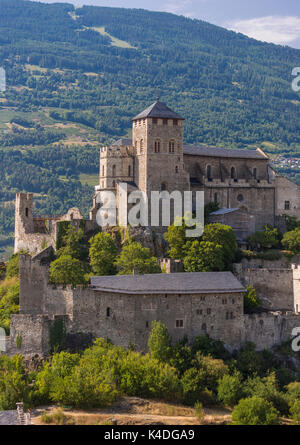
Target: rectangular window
208,311
165,121
287,205
179,323
154,120
175,122
199,311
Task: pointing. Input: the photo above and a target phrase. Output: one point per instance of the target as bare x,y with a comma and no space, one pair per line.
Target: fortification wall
269,329
273,286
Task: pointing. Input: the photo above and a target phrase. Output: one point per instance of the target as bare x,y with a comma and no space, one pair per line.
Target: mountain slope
75,77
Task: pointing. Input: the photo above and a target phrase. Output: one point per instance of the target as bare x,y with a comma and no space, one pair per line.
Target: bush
291,240
251,300
12,268
295,411
267,389
14,383
199,411
255,411
264,239
230,389
159,342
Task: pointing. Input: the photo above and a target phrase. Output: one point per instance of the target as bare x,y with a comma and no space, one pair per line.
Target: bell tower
157,137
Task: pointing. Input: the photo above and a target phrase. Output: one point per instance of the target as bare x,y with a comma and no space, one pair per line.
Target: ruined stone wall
269,329
33,332
287,192
273,286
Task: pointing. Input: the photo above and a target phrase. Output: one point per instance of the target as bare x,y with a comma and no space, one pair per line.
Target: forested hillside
75,77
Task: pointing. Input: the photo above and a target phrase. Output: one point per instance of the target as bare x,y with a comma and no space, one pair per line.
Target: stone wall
273,286
269,329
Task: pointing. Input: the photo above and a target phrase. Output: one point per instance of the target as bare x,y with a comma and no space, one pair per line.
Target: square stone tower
157,138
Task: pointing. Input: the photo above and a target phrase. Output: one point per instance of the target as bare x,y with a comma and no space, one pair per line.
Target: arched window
157,146
208,172
255,173
141,145
203,327
114,170
216,198
172,146
102,170
176,169
233,173
129,170
26,212
108,312
163,187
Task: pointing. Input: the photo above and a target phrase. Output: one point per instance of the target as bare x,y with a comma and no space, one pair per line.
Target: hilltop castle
249,192
250,195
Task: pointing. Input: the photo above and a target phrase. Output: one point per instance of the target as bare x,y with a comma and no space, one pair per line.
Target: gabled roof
174,283
122,143
204,150
159,110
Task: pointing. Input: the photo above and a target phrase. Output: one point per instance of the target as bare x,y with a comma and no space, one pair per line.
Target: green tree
12,268
135,257
230,389
251,300
291,240
264,239
73,244
203,256
159,342
67,270
103,254
176,237
222,235
255,411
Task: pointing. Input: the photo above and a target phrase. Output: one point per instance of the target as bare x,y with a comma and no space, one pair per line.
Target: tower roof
159,110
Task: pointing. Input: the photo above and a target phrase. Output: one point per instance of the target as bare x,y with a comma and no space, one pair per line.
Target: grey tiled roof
175,283
9,418
159,110
224,211
222,152
122,142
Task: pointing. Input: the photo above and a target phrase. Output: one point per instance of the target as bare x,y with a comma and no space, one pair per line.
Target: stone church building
156,159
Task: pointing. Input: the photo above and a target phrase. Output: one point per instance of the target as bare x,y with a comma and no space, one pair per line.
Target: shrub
230,389
295,411
14,383
12,268
264,239
57,417
159,342
251,300
291,240
267,389
199,411
255,411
